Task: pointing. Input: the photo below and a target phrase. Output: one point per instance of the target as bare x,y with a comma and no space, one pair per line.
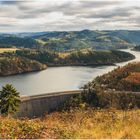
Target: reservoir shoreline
57,79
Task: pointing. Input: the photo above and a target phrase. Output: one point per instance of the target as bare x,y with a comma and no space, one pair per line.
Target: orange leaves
123,78
133,78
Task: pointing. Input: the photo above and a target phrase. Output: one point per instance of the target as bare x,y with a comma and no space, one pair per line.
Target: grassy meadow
2,50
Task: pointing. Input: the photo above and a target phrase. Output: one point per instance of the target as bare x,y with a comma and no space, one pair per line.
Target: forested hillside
27,60
86,57
61,41
73,40
137,48
123,78
18,42
10,65
98,57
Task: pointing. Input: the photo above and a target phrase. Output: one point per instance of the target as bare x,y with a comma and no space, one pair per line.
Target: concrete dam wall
38,105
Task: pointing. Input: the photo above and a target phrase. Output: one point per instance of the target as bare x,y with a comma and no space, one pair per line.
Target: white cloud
44,15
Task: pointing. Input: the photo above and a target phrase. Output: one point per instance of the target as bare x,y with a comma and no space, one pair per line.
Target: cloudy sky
58,15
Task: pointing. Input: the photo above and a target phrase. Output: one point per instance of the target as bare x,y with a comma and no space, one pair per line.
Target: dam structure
38,105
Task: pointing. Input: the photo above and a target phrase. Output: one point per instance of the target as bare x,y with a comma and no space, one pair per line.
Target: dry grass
13,128
2,50
89,123
63,55
95,124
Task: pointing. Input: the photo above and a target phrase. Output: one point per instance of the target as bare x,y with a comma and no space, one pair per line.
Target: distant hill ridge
68,40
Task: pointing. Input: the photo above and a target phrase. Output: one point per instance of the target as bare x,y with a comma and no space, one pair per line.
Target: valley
47,63
70,69
68,48
95,53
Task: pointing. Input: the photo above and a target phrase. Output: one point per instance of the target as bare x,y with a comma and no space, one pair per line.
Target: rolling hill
99,40
73,40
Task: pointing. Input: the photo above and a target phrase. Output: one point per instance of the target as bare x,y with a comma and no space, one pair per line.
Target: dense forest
18,42
98,57
43,56
86,57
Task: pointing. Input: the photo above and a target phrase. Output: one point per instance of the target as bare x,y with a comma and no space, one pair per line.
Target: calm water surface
58,78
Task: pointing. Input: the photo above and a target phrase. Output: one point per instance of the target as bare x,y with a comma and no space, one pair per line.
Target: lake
56,79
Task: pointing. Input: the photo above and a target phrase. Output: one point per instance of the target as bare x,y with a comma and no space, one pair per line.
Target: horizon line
70,31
